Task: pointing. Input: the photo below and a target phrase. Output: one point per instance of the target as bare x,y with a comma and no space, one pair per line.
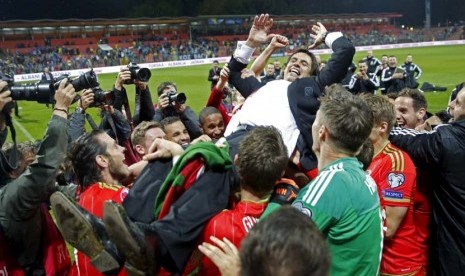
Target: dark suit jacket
303,93
211,74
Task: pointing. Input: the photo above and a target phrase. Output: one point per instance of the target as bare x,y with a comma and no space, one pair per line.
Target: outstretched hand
224,255
259,33
320,33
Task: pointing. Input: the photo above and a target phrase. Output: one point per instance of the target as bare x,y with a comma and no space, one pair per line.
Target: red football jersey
395,174
231,224
92,199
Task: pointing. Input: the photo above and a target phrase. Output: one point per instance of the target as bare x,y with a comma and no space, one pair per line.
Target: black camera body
44,92
41,92
137,73
84,81
175,97
102,97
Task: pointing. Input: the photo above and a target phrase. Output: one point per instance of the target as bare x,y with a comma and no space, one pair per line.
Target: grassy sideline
441,66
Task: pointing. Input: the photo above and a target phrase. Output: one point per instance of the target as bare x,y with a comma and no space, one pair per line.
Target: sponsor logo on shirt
300,206
392,194
248,223
395,179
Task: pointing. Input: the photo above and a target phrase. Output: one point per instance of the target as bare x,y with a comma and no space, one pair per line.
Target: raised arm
277,42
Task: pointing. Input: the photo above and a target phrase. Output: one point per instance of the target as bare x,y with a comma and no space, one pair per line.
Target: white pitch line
23,130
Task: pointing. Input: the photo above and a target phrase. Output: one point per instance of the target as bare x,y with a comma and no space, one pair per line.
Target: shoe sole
137,257
78,232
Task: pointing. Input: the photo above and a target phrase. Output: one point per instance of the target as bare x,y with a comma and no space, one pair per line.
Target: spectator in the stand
211,122
363,81
372,62
22,216
442,152
395,174
214,73
167,107
143,136
277,69
269,75
392,77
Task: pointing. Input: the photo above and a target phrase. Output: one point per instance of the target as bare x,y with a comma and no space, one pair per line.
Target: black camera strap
127,108
11,163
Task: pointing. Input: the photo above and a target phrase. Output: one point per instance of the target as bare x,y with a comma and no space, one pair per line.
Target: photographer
113,122
21,218
4,100
167,107
143,107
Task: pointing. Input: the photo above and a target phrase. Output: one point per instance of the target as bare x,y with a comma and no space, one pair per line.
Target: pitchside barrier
190,62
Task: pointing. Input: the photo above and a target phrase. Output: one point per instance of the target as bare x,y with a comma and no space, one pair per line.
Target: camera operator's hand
163,101
109,108
64,96
180,108
140,84
87,98
5,95
123,75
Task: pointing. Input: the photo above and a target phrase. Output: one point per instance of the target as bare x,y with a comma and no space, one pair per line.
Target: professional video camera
44,92
102,97
137,73
175,97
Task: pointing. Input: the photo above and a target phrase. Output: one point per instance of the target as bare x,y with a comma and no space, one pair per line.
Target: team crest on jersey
300,206
395,179
124,192
308,91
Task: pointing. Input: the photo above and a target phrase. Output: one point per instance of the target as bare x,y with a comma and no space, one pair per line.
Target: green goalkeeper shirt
343,202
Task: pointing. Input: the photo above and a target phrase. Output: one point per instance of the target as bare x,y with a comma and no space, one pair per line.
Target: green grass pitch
442,66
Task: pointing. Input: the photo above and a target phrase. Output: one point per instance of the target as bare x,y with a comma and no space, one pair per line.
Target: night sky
413,10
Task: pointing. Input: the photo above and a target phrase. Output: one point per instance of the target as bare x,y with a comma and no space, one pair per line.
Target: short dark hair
163,85
207,111
262,158
168,121
419,100
348,118
82,155
303,251
314,68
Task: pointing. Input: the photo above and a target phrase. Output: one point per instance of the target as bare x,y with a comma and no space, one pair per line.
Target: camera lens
144,74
